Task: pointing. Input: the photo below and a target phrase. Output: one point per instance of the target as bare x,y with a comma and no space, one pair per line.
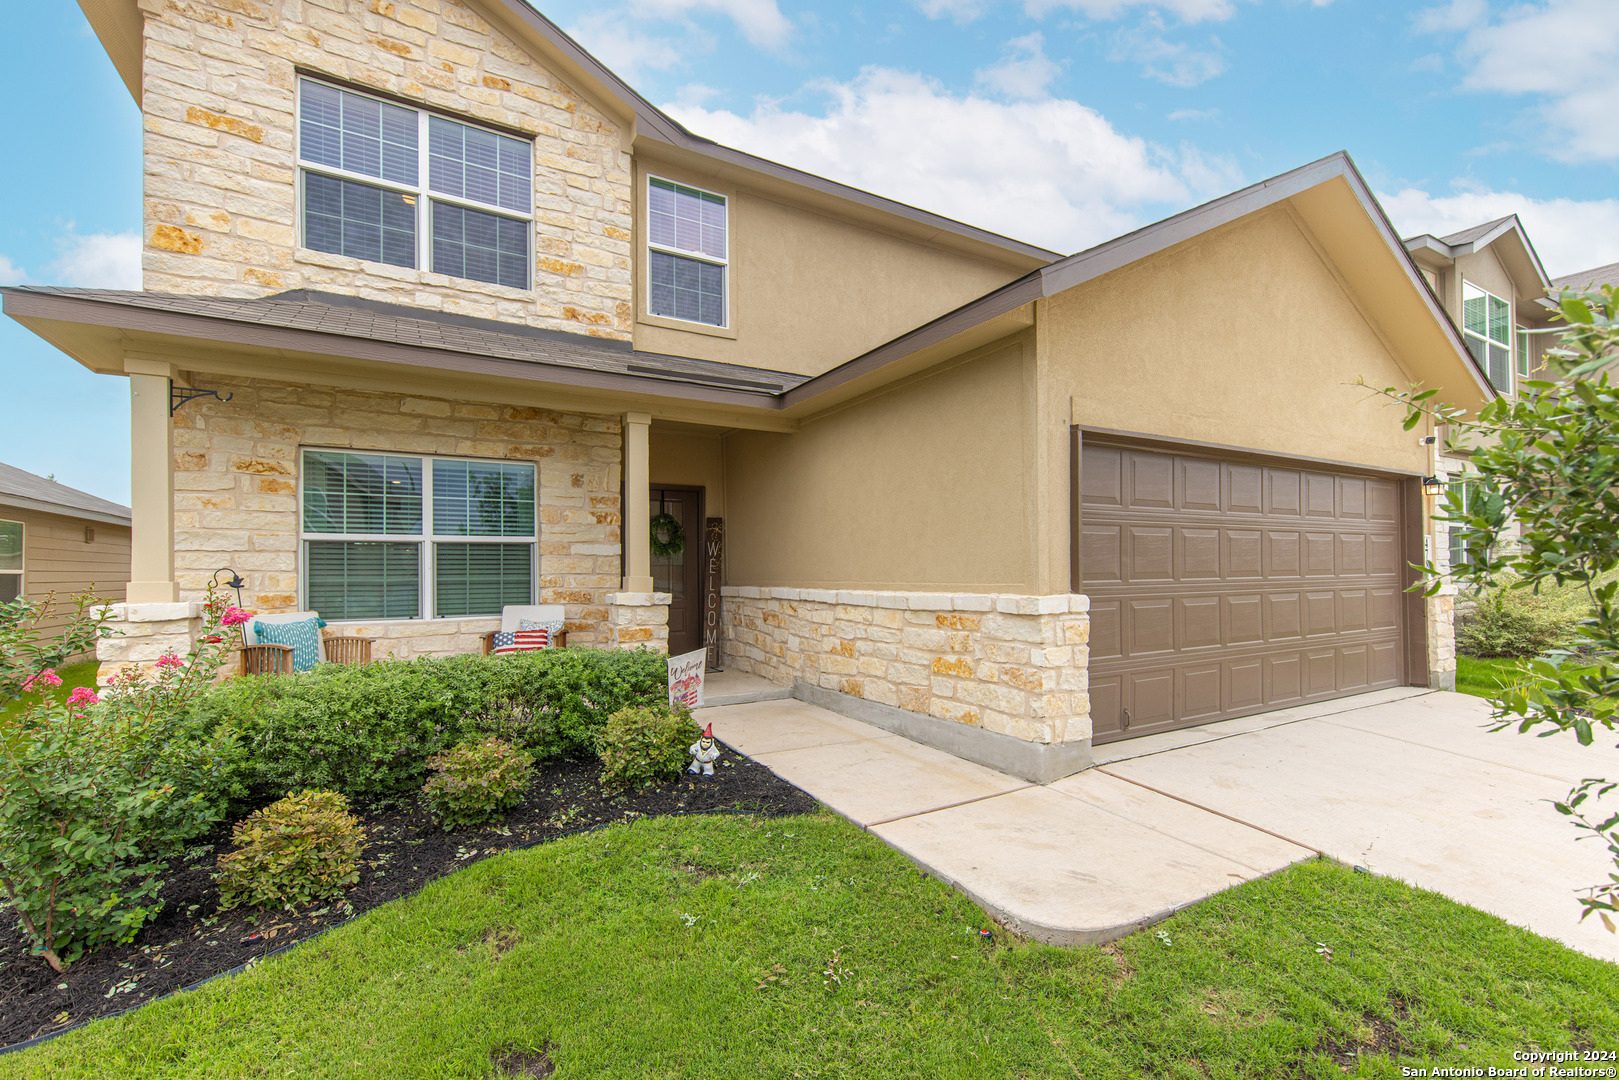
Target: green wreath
668,538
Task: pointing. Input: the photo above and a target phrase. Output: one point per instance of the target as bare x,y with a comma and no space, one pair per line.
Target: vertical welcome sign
713,567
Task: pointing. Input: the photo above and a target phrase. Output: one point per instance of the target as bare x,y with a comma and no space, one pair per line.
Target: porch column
151,491
637,510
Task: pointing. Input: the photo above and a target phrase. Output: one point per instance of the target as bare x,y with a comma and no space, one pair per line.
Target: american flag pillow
521,640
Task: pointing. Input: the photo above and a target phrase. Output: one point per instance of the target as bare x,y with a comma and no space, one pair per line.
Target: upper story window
10,561
400,186
394,536
1525,353
686,253
1487,329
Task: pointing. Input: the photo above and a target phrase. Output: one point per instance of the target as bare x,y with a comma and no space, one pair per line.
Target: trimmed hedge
368,731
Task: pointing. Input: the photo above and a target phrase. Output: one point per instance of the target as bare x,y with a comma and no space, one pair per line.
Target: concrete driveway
1408,783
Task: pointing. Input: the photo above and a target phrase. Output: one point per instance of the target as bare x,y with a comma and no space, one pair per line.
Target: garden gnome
704,753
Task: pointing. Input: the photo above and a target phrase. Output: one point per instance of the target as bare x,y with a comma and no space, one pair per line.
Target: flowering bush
30,651
96,790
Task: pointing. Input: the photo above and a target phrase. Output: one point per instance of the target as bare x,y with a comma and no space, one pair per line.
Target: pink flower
45,678
83,696
167,660
235,616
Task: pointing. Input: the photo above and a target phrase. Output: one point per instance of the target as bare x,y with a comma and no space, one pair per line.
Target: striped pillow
507,641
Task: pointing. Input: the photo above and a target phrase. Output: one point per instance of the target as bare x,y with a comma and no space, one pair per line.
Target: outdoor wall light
1433,485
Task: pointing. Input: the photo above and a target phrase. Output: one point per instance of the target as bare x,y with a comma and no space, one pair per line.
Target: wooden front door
680,575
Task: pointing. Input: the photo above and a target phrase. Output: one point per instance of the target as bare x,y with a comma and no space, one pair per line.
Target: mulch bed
192,940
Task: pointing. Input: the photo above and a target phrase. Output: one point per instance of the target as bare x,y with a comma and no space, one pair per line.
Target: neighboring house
465,312
57,539
1585,280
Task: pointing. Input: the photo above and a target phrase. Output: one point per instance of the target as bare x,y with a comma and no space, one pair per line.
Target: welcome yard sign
686,678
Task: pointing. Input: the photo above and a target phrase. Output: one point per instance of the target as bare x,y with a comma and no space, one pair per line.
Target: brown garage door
1221,587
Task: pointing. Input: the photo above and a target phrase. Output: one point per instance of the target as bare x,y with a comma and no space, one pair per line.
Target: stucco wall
236,480
809,291
686,458
221,170
1242,337
919,487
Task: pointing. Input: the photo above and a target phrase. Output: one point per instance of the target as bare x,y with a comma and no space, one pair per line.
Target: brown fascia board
1131,247
24,306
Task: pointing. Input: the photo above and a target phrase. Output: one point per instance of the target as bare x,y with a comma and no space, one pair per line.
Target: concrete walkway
1405,782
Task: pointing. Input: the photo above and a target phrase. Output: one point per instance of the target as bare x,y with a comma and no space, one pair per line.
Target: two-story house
439,313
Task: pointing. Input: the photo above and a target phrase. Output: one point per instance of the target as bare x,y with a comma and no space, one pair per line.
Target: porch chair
266,658
513,618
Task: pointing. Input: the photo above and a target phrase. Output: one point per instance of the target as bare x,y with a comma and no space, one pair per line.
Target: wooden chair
511,618
262,658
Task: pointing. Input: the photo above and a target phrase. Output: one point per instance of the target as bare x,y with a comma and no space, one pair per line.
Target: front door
678,574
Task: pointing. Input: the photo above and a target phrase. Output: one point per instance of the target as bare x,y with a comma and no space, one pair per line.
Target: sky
1059,122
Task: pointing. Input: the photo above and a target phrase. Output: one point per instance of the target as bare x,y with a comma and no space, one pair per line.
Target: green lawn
1484,678
73,677
725,947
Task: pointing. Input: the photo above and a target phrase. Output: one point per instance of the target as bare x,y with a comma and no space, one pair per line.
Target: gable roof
117,24
29,492
1478,237
1600,275
1121,251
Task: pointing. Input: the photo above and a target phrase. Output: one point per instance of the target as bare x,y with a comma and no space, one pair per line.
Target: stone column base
144,632
638,621
1441,612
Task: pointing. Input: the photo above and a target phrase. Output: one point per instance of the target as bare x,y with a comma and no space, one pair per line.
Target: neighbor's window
686,253
1487,329
10,561
1525,355
394,185
386,536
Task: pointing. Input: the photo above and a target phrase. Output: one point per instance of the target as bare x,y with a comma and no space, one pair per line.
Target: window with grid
1524,353
1487,329
388,536
394,185
686,253
10,561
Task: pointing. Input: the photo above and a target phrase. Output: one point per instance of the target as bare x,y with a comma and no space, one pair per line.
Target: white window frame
21,573
421,192
1521,358
696,256
426,541
1512,333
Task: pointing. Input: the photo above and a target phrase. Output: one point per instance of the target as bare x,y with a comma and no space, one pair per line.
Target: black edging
239,968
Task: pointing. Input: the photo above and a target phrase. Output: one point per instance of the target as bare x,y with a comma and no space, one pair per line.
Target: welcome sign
686,679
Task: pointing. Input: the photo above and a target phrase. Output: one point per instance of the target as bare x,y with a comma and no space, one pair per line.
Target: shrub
304,848
476,782
368,732
1513,623
641,746
94,790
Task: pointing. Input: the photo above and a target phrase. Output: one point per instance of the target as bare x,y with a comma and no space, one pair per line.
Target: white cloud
1190,11
961,11
1456,15
1024,71
99,261
1051,172
1194,114
1171,62
1563,51
11,273
760,21
1569,234
628,54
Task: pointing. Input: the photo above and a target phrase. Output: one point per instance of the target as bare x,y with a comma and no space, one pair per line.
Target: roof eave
45,506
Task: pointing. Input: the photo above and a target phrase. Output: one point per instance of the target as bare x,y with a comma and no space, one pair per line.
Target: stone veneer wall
236,503
220,163
1013,665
